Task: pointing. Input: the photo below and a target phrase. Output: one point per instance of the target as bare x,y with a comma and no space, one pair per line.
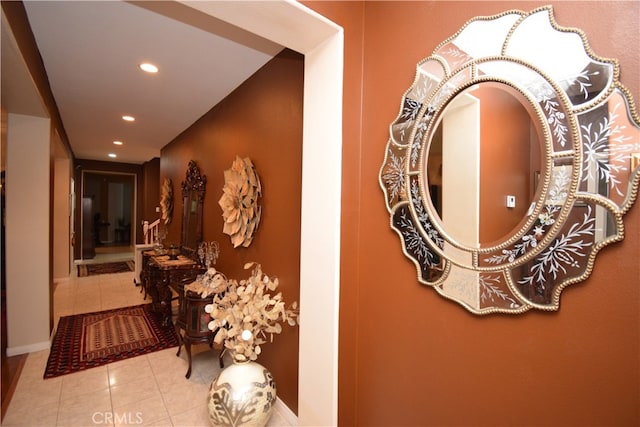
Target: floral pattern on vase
243,394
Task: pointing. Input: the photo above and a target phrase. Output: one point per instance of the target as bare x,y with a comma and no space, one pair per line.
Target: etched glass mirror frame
587,180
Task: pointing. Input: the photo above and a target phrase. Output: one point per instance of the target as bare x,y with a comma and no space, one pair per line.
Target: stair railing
150,231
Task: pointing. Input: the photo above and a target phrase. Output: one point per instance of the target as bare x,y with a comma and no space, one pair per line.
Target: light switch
157,208
511,201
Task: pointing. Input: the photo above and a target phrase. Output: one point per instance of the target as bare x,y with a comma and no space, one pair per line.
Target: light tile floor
149,390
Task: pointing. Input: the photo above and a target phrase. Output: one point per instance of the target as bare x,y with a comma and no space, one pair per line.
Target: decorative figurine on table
173,252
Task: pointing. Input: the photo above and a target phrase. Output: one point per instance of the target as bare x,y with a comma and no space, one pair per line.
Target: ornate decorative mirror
193,189
511,163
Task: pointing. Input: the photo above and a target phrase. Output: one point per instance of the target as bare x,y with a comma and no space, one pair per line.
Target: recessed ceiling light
117,142
128,118
149,68
112,155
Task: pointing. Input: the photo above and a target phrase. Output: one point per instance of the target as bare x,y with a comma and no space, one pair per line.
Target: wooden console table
161,275
160,278
192,324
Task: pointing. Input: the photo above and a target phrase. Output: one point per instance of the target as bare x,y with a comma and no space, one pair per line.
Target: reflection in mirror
484,164
193,190
511,105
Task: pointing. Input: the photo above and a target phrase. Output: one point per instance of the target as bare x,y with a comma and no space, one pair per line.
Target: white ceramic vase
243,394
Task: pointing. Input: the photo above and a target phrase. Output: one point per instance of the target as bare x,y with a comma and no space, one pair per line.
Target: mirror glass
193,191
511,163
484,164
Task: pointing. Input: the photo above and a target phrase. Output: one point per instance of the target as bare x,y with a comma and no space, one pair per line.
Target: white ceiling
91,51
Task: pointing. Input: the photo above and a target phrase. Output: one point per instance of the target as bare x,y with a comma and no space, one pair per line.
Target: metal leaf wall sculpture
240,202
166,201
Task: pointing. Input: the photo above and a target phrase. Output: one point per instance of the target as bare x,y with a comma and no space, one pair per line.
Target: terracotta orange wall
408,356
504,162
261,120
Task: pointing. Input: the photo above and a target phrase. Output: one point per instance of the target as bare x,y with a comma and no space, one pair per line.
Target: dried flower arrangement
246,314
239,202
211,282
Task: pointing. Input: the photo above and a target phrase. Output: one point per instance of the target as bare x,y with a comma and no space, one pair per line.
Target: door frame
321,41
134,201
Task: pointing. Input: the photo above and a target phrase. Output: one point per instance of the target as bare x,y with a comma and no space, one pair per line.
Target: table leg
187,346
164,293
180,339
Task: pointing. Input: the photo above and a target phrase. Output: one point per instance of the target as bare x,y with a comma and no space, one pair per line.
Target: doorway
108,202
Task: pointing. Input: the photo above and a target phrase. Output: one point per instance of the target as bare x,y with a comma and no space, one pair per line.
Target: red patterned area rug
85,270
89,340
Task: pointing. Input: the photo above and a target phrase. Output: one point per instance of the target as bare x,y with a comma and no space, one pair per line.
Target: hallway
151,388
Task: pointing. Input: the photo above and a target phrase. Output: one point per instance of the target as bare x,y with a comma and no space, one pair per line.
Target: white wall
27,233
461,178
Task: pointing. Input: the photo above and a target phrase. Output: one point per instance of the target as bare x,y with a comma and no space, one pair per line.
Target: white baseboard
289,416
14,351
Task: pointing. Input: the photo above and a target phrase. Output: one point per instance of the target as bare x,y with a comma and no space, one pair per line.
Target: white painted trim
320,235
137,259
287,414
297,27
30,348
285,22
